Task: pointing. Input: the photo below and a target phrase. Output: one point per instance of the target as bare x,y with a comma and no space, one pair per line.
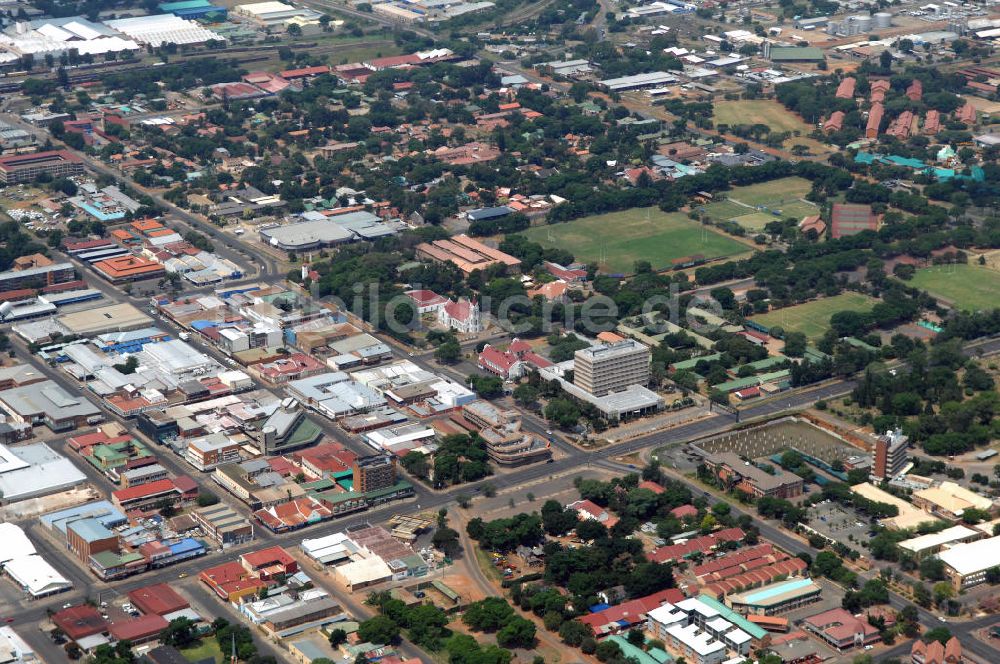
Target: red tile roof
268,556
846,88
633,611
840,625
305,71
684,510
80,621
158,598
703,543
426,298
143,490
461,310
135,629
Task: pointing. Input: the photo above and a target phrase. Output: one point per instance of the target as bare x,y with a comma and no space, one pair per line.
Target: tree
574,632
166,508
448,352
795,344
526,394
180,633
446,540
338,637
607,650
921,595
294,29
206,498
488,615
381,630
518,632
562,412
932,569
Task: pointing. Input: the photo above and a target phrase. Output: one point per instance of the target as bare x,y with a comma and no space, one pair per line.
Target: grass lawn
617,239
784,196
813,318
755,221
970,287
772,114
772,192
207,647
758,111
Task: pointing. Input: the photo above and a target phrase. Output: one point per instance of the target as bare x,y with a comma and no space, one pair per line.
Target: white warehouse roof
162,29
36,575
15,543
973,557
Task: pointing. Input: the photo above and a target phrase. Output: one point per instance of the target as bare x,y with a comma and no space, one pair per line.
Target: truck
185,336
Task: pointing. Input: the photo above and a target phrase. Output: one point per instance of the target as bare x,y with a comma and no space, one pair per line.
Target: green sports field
753,206
969,287
615,241
813,318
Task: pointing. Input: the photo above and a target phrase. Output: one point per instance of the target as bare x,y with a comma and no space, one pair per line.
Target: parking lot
839,524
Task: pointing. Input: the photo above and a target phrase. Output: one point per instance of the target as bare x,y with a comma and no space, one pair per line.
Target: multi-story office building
890,455
611,367
374,472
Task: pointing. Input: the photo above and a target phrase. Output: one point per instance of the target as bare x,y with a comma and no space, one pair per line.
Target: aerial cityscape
503,331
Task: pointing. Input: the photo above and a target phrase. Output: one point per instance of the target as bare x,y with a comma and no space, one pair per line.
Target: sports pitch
970,287
754,206
813,318
615,241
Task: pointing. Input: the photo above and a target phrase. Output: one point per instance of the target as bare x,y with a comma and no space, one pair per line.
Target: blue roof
597,608
186,545
90,530
102,510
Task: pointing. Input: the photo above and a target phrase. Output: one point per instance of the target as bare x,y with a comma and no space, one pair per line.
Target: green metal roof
687,365
751,381
398,486
791,53
753,630
629,651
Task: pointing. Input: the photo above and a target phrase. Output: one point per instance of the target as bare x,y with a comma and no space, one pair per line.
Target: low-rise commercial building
949,501
211,451
735,472
46,402
966,564
927,545
841,630
223,524
776,598
21,168
31,471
